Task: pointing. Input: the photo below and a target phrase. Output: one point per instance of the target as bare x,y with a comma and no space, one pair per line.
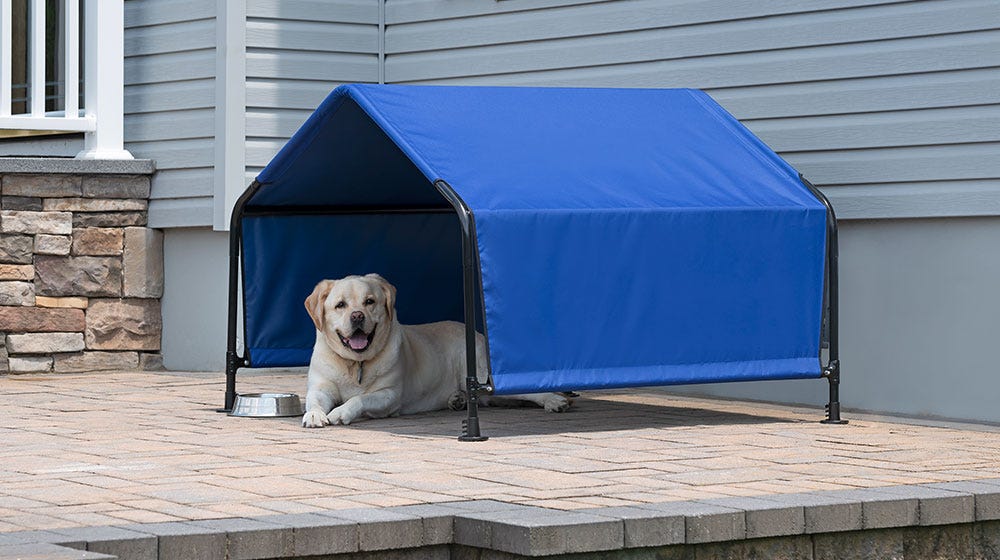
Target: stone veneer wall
81,275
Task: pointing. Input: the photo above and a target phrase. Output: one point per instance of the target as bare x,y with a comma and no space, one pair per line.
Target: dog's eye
341,305
370,301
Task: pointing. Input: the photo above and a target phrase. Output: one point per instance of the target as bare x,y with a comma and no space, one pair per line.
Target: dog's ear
314,303
390,294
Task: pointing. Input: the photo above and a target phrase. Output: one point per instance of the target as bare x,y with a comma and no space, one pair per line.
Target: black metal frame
472,288
831,371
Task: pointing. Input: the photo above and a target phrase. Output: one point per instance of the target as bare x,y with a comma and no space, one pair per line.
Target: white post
6,38
72,61
104,82
36,56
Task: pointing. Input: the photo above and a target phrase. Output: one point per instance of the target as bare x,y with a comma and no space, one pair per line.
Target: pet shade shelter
599,238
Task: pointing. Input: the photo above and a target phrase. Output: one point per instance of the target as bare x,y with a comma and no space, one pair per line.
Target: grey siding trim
893,108
931,199
63,145
170,55
183,183
230,95
183,212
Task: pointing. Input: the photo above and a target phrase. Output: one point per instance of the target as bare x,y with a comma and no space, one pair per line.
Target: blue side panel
616,299
286,256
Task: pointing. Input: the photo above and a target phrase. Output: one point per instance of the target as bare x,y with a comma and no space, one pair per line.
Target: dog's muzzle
359,340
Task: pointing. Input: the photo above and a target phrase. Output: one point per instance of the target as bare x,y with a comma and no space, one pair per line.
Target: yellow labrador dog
367,365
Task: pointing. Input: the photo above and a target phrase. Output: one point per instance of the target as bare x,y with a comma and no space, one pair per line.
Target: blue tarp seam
663,209
741,133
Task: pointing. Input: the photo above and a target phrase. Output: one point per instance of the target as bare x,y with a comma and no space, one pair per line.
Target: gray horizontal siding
868,59
312,36
180,212
64,145
185,153
171,37
170,125
297,52
409,11
594,19
170,67
863,95
892,107
696,42
144,13
336,11
263,93
880,130
170,96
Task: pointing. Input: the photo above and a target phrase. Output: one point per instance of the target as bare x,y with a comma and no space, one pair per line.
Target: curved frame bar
233,360
832,369
470,273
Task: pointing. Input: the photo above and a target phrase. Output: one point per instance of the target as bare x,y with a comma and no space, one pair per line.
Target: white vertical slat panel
6,33
36,20
72,62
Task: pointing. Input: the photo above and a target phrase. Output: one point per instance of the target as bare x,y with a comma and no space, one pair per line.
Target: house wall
297,52
194,303
170,100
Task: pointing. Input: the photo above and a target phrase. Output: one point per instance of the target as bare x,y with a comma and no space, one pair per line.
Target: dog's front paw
341,415
556,403
457,401
314,419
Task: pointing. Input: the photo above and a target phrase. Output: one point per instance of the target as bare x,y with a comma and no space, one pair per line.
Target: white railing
101,118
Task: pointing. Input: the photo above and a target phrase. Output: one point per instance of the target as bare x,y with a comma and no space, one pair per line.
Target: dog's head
354,314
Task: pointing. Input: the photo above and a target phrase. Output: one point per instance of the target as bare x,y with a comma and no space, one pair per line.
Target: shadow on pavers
586,415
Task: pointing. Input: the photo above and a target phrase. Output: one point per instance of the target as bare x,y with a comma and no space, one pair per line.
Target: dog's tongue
358,340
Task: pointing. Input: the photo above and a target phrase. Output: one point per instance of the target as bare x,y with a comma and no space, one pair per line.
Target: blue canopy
625,237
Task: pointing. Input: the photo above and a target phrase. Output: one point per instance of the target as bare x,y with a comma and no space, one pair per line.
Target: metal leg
832,370
470,426
832,373
233,360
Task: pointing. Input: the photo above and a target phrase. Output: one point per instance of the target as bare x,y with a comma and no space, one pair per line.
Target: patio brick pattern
84,451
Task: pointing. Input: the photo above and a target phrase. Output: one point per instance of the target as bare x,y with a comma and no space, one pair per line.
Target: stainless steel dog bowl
266,405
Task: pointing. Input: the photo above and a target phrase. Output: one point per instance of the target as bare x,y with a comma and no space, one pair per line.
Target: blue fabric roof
519,148
626,236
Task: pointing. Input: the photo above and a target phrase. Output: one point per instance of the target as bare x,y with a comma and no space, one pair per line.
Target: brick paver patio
118,448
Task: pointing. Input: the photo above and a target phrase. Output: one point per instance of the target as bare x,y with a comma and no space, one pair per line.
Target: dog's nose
357,318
